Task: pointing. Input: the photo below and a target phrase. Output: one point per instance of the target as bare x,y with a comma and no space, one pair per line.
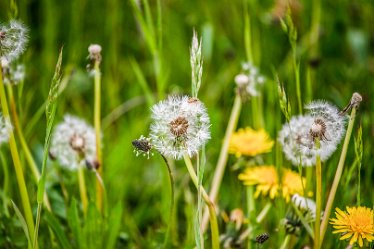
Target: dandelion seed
249,142
248,81
5,129
267,183
142,146
180,125
13,40
73,143
356,224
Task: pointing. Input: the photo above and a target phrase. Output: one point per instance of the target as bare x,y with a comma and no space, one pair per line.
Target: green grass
145,58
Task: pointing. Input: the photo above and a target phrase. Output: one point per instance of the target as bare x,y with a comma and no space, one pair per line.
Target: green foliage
146,57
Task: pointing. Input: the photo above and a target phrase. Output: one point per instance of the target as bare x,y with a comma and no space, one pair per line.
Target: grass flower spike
13,40
73,143
357,224
266,180
249,142
5,129
180,125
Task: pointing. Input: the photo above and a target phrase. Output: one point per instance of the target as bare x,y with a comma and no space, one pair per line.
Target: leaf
22,220
75,224
114,222
57,230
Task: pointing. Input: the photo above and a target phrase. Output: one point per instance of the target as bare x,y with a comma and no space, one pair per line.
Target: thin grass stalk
17,162
29,158
172,202
82,189
338,174
317,243
50,111
97,124
286,241
208,202
223,155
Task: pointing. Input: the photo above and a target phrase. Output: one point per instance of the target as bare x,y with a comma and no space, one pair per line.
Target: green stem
223,155
286,241
338,174
16,161
208,202
171,179
318,198
29,158
82,189
97,123
263,212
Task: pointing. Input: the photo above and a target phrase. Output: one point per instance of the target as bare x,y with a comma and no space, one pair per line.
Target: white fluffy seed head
298,145
73,143
305,204
13,40
248,81
5,129
180,125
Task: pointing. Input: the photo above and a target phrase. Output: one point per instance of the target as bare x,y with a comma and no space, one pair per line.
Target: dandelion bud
73,143
94,51
13,39
5,129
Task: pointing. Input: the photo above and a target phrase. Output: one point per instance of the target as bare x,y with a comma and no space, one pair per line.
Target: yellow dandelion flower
249,142
292,183
265,178
357,223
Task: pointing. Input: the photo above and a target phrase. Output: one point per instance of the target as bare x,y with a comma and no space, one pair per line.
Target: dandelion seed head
248,81
13,40
73,143
12,74
305,204
298,137
5,129
180,125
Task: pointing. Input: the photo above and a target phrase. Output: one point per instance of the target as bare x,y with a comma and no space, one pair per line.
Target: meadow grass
306,51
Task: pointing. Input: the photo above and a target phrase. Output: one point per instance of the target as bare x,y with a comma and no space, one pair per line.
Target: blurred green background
343,64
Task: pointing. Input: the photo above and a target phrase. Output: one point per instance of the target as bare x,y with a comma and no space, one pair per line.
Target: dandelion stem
208,202
82,189
25,147
170,224
338,175
263,212
318,198
97,123
17,162
286,241
222,160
